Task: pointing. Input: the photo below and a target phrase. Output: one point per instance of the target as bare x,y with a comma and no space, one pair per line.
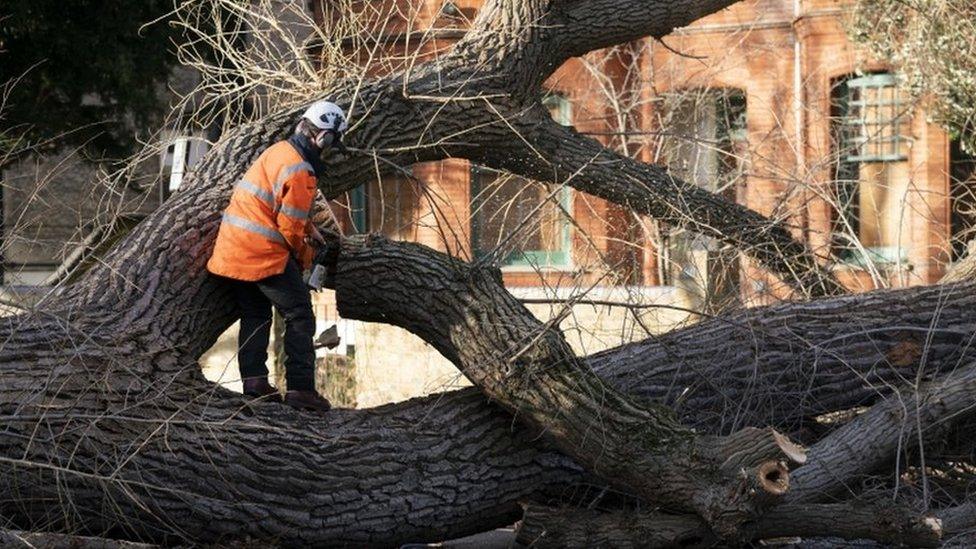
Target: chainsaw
324,266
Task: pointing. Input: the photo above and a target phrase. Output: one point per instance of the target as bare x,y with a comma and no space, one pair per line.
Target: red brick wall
752,47
828,55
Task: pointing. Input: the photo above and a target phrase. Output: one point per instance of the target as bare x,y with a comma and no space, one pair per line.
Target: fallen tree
859,448
106,413
451,458
542,527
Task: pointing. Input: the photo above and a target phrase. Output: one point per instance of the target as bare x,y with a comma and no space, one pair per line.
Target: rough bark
105,412
855,520
482,466
492,469
899,423
530,370
958,520
155,462
40,540
781,364
544,527
959,524
860,447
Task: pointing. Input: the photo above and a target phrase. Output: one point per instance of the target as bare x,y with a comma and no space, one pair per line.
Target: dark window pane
705,144
518,221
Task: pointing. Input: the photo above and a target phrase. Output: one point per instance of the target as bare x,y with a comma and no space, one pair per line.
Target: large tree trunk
454,463
545,528
109,427
862,446
104,406
735,370
528,368
202,465
103,403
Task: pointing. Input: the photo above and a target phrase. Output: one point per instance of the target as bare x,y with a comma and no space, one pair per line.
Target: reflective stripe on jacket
268,217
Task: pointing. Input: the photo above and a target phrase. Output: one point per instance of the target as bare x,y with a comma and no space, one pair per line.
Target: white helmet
326,115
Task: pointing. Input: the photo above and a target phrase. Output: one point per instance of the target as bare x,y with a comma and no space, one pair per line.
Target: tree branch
587,25
530,370
547,151
875,437
34,540
781,364
542,527
522,42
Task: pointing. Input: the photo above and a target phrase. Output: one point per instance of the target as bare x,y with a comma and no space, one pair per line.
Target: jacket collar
309,152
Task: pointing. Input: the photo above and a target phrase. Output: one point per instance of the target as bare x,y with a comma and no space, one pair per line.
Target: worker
264,243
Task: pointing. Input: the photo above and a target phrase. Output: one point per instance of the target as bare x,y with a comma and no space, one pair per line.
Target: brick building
767,102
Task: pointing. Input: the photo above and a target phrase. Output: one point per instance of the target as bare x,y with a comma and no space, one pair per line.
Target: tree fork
529,369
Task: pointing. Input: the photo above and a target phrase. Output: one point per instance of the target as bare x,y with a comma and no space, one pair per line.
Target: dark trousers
288,294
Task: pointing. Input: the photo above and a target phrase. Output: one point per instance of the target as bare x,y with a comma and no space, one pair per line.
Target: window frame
530,259
877,82
849,136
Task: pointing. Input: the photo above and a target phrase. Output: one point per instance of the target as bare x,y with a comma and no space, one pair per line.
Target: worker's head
323,123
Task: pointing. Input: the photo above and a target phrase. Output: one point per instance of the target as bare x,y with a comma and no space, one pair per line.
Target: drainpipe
799,104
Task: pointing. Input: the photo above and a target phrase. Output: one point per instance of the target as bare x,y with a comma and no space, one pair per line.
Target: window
522,222
395,206
358,210
705,145
871,138
390,206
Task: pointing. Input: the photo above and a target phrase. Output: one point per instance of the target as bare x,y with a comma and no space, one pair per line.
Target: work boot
307,400
258,387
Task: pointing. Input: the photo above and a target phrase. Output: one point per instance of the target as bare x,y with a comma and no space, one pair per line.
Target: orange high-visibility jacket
268,217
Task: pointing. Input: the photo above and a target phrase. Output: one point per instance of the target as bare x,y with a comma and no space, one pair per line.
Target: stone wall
387,364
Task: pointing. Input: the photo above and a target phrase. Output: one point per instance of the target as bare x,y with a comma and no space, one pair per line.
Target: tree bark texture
78,380
42,540
860,447
544,527
64,378
530,370
455,463
108,425
901,422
